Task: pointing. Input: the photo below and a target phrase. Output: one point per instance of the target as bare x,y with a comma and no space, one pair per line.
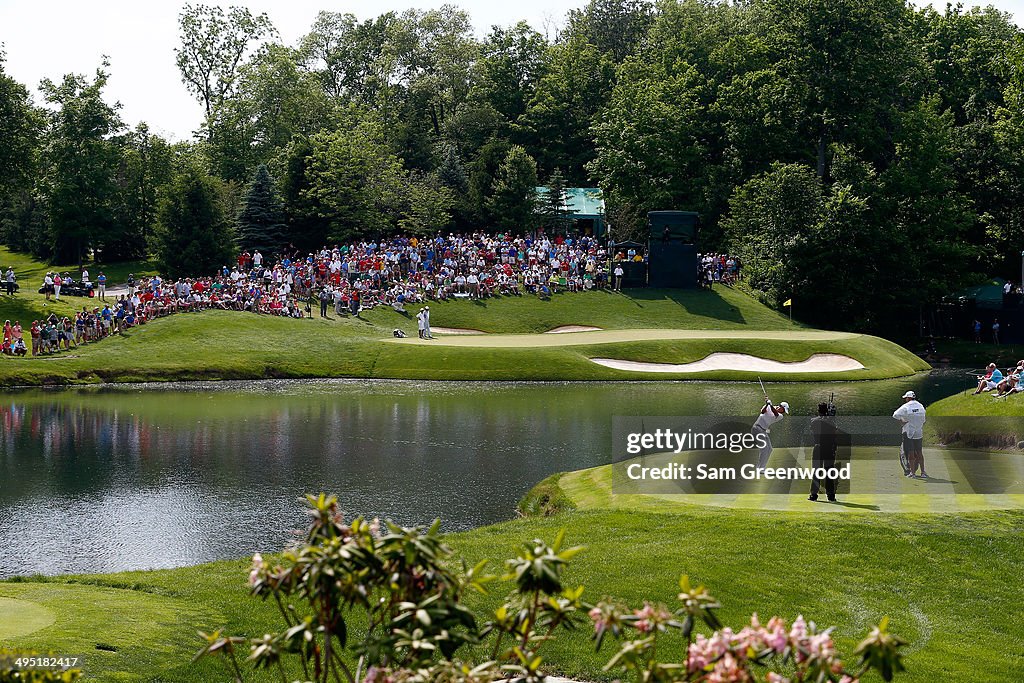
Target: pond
149,476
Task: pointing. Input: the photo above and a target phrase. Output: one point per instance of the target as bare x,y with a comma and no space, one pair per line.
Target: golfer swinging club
769,415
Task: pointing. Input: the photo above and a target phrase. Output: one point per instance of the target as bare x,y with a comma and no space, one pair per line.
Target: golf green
21,617
876,485
121,634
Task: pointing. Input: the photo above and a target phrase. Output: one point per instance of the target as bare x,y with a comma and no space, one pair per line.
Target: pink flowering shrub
757,652
408,593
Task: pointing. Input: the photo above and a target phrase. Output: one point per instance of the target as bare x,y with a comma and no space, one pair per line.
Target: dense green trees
511,204
910,123
261,221
81,161
193,234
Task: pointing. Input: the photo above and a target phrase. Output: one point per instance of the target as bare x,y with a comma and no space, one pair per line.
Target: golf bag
398,333
904,460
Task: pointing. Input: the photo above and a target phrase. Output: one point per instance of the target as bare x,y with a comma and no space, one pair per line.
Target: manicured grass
722,309
30,272
123,633
877,486
948,582
234,345
967,404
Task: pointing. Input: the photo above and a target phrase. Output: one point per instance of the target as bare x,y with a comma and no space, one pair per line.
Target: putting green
615,336
877,485
114,629
21,617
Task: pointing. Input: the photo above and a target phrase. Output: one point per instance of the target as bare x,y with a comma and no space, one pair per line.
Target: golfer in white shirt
912,415
763,425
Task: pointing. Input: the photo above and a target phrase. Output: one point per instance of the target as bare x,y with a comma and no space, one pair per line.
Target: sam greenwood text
703,472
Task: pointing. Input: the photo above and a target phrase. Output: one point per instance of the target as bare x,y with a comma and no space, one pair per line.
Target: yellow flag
787,302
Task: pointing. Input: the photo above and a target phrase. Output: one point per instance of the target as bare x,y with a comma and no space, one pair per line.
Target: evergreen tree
193,235
305,229
553,210
515,191
452,175
261,220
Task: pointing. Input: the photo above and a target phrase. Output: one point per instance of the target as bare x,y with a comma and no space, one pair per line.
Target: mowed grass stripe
613,336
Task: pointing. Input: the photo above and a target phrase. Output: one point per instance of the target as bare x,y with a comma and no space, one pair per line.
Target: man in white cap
912,415
763,425
421,321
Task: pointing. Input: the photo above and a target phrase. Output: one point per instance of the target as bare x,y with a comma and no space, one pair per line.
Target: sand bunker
455,330
562,329
819,362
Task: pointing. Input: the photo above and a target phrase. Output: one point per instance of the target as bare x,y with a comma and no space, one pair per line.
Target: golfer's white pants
765,452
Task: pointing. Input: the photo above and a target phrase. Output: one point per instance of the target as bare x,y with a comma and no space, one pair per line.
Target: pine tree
515,191
261,220
193,235
553,209
452,175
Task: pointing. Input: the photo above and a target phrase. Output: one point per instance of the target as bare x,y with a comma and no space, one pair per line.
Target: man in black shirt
824,430
325,298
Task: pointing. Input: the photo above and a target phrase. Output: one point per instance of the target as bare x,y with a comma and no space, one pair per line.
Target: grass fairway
948,582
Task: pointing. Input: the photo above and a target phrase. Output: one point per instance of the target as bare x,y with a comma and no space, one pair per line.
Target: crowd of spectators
346,278
720,268
1000,384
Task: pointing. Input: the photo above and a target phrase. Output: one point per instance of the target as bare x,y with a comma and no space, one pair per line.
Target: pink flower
728,670
600,618
773,677
848,679
777,641
699,654
257,567
820,646
799,630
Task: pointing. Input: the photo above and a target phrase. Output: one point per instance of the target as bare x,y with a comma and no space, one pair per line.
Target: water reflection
158,476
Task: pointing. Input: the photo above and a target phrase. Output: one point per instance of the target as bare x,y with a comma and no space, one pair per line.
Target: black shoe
814,498
832,500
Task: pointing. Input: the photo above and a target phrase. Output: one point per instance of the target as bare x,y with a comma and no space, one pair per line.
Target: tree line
862,157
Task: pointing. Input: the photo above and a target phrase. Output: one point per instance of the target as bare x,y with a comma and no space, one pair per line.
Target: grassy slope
962,404
30,272
847,571
225,345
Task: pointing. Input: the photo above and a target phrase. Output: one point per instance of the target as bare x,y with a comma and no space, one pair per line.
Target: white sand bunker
562,329
455,330
819,362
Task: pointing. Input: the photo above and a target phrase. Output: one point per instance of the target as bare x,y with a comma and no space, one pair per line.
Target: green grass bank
846,570
235,345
